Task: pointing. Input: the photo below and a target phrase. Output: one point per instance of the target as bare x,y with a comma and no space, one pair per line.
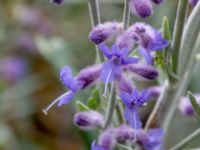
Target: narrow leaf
81,106
94,100
194,103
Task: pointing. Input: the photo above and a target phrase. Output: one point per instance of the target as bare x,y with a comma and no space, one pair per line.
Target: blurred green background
36,40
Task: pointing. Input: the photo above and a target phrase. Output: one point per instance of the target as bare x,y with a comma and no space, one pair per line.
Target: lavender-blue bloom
13,68
149,39
116,59
125,85
133,102
57,1
152,139
193,2
84,79
141,8
95,146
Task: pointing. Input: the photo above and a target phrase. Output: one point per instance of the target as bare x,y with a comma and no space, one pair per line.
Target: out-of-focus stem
182,86
95,20
161,108
178,31
111,107
187,140
126,16
94,12
190,35
120,114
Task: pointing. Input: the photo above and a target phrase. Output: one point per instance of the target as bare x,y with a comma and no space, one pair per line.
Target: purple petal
106,50
66,77
158,43
146,54
126,98
129,60
132,116
110,71
96,147
66,98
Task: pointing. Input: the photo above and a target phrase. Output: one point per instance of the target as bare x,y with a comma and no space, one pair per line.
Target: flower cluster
130,56
119,66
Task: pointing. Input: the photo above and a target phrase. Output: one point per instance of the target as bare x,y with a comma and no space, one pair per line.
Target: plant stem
120,114
187,140
111,107
161,108
94,12
95,20
181,87
178,31
189,38
126,16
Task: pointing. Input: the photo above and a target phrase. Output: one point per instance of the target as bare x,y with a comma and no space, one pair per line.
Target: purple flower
89,120
132,102
116,59
155,91
152,139
125,85
57,1
84,79
186,107
157,1
145,71
105,31
13,68
141,8
97,147
125,132
193,2
107,139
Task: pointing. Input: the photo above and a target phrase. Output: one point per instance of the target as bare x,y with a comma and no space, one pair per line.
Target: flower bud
105,31
125,85
145,71
193,2
57,1
155,91
185,105
124,133
107,139
88,120
157,1
141,8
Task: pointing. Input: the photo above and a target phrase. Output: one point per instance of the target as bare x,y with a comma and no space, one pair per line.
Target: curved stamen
107,81
45,111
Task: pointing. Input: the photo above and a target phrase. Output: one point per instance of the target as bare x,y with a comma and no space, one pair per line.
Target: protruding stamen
45,111
106,84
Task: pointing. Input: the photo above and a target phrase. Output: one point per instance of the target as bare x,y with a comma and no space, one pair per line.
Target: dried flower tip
89,120
157,1
145,71
57,1
141,8
105,31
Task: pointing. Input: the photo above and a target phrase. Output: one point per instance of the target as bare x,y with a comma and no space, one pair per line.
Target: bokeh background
36,40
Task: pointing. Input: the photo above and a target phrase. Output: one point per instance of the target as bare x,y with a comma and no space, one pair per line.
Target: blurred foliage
48,37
